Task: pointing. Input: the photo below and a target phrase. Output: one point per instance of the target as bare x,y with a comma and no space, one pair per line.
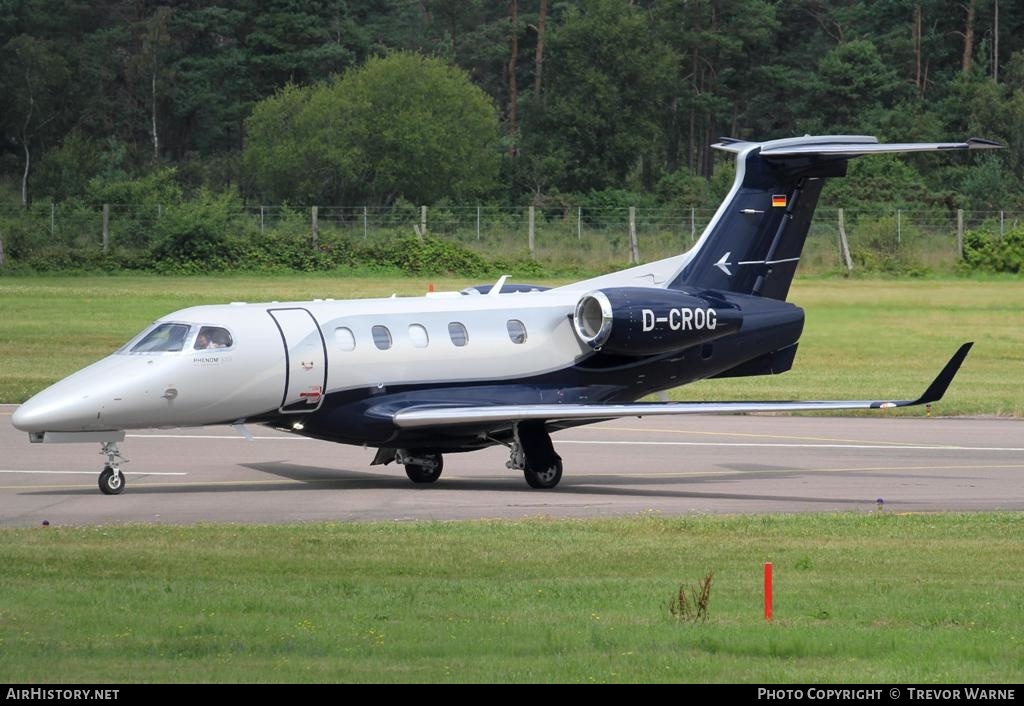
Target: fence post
899,227
106,228
844,246
1,251
693,223
366,223
53,208
423,221
579,223
960,233
532,234
316,227
478,223
1002,225
634,247
261,220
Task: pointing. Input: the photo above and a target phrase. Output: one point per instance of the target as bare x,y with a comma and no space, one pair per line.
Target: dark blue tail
754,241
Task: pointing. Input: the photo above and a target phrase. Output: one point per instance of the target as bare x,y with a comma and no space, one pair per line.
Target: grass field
873,598
863,338
858,598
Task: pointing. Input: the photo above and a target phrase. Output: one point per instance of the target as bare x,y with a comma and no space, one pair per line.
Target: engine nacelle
644,321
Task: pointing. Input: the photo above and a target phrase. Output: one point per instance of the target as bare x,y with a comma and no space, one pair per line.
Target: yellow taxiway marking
618,476
784,445
855,469
746,435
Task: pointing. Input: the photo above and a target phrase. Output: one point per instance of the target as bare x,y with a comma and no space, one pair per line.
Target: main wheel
544,479
426,473
111,483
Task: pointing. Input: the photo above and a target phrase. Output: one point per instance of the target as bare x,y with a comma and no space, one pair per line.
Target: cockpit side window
164,338
213,337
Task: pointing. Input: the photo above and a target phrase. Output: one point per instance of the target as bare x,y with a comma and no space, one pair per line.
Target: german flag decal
778,200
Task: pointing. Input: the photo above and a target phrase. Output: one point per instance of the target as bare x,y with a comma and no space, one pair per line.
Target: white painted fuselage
289,356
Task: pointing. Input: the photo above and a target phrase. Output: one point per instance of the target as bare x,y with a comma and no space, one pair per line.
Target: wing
435,415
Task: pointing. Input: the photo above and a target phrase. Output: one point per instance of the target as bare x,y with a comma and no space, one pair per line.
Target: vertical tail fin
753,243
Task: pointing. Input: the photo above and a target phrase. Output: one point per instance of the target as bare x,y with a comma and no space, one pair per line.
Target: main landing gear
422,468
530,451
111,479
533,453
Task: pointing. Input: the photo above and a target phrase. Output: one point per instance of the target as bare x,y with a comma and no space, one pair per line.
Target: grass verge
858,598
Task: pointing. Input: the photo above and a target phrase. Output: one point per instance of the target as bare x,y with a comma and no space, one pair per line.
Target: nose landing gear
111,480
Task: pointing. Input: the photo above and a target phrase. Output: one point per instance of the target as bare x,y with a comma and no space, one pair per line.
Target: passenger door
305,360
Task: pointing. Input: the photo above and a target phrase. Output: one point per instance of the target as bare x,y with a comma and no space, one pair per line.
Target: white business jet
506,364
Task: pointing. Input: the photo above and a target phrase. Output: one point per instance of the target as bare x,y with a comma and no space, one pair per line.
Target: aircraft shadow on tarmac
296,477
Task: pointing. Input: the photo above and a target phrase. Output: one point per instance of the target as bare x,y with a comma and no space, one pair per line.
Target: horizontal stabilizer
854,149
846,146
433,416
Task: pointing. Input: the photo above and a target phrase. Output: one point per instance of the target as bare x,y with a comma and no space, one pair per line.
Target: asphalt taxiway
667,465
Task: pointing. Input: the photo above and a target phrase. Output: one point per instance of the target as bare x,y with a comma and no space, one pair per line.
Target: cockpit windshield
162,339
212,337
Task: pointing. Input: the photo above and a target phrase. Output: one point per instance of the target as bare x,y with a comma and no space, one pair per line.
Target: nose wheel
111,479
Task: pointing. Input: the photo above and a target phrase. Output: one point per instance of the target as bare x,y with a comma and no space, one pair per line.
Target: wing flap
434,415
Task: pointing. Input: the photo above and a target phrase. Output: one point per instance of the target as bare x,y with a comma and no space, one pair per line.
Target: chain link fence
589,238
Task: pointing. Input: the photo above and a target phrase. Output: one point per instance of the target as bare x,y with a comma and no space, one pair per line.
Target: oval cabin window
516,331
418,336
381,337
344,338
458,333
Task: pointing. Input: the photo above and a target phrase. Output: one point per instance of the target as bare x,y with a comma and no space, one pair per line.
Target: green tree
35,78
854,83
726,81
399,126
605,88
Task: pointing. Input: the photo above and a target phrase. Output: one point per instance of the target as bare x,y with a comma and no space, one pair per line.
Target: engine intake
645,321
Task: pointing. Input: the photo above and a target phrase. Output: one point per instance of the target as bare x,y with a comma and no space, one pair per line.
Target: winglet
496,289
941,382
938,387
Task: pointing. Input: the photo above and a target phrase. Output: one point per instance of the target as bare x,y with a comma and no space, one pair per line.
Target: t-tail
753,243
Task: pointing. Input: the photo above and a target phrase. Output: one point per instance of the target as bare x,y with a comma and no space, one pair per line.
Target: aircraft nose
24,417
50,413
72,404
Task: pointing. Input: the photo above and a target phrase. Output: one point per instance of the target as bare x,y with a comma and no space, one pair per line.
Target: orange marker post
768,591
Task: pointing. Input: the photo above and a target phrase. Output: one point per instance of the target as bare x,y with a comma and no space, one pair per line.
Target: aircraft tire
544,480
111,483
422,474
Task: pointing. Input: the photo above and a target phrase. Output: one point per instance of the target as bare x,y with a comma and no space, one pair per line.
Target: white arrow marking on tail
723,265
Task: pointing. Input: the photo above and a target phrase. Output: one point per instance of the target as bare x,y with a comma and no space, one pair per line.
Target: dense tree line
553,102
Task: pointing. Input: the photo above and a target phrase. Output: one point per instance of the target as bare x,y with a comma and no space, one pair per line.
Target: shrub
427,256
985,250
196,236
